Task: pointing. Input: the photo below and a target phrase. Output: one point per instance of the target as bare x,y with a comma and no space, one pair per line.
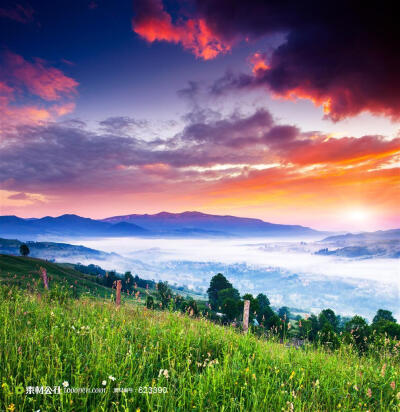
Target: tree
110,278
227,293
357,332
383,327
328,337
383,314
128,282
149,302
217,283
328,316
164,293
24,250
254,306
263,301
231,308
284,313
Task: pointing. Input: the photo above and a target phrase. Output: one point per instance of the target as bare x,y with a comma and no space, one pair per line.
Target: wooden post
246,310
44,277
118,297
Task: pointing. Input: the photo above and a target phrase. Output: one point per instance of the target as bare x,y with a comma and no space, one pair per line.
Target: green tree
128,282
227,293
391,329
24,250
231,308
328,316
284,313
383,314
254,306
357,332
164,293
263,301
149,302
217,283
328,337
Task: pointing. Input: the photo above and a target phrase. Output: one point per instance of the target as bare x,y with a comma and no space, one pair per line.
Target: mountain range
186,224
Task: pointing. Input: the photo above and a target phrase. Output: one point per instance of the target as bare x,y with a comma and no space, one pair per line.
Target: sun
358,215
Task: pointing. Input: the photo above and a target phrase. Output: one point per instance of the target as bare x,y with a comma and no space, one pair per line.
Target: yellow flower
292,375
138,410
11,407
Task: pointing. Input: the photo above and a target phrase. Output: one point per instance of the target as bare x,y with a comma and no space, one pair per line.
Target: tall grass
209,368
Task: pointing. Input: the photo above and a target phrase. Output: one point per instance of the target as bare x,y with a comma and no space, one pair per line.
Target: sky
283,111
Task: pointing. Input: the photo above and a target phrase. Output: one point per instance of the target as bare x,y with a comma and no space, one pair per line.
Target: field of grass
195,364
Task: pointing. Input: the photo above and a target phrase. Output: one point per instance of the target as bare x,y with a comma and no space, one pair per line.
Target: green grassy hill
191,364
24,273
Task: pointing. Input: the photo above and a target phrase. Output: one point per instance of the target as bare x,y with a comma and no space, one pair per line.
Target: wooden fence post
44,277
246,310
118,297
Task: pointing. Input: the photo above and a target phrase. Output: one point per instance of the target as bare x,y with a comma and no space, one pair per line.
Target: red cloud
48,83
19,13
155,24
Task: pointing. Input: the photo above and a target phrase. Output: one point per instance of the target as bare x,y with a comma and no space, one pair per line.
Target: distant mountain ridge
65,225
386,235
186,224
227,225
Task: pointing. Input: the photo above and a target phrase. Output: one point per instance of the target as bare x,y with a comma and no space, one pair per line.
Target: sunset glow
194,112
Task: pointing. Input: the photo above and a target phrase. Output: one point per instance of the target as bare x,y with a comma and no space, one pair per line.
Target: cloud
22,13
21,80
153,23
122,124
18,196
46,82
342,56
220,155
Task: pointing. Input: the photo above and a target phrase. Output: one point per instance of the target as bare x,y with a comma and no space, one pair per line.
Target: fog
288,271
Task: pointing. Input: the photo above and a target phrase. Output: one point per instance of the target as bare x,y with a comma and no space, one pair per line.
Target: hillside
24,272
189,364
52,250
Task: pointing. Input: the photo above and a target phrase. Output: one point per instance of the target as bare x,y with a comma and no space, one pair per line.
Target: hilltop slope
194,364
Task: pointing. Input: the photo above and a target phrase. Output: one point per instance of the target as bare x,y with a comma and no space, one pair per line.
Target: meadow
139,359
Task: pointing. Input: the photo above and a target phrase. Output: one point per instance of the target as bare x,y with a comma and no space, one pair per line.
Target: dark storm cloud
342,55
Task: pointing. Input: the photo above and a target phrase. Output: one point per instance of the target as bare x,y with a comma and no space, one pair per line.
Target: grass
24,273
209,368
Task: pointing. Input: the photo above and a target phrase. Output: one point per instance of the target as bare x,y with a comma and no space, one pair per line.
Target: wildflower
292,375
383,371
111,378
355,387
11,407
316,383
104,383
65,384
393,385
369,392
